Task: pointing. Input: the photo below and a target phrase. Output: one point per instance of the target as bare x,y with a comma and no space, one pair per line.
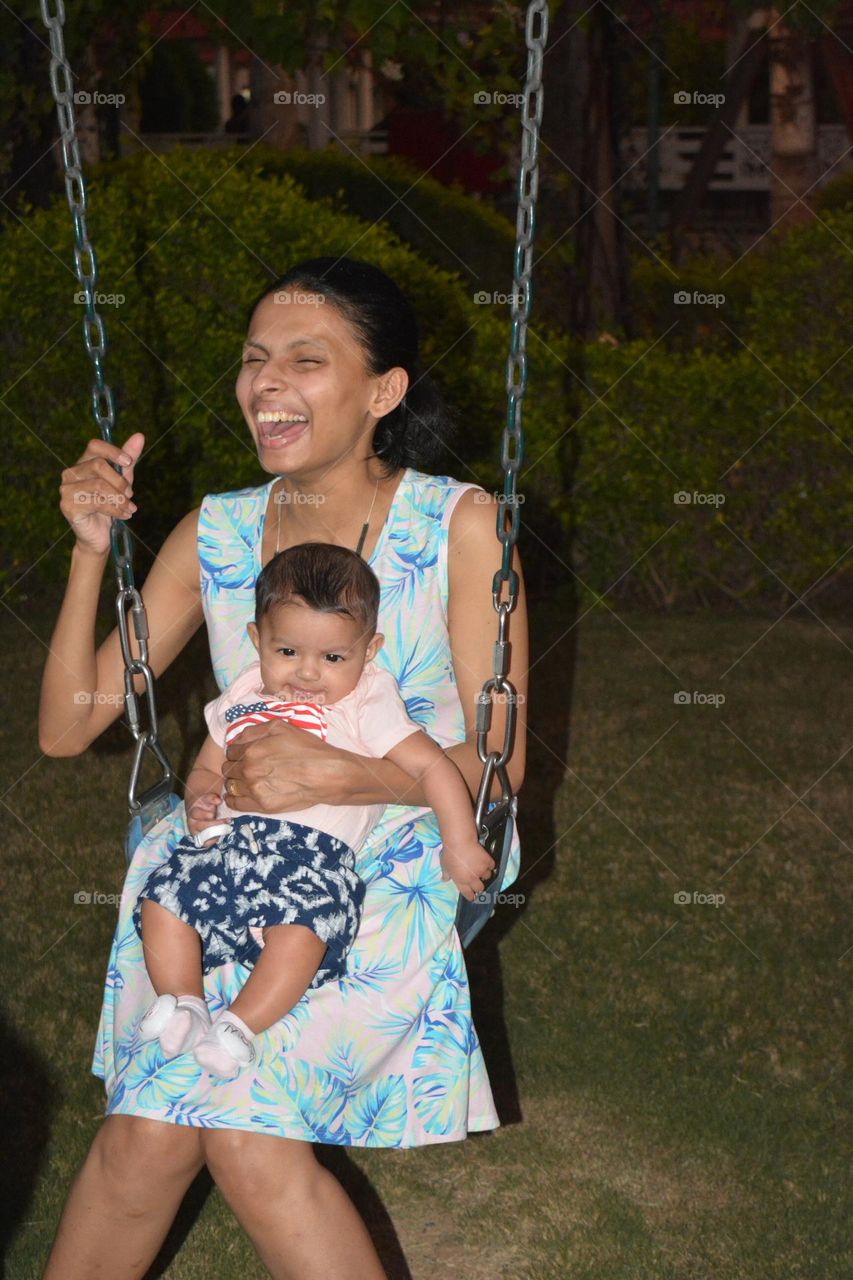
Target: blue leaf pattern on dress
387,1056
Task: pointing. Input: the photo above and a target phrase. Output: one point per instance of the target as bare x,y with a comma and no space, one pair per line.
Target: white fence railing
743,165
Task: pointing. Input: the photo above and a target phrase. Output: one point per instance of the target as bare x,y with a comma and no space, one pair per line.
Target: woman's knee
131,1148
255,1166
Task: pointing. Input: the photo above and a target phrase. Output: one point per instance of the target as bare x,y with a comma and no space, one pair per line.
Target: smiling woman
386,1055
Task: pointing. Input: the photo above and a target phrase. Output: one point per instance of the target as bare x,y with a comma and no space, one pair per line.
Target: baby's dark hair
328,578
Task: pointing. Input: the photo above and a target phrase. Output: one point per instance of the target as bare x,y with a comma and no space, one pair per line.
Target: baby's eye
287,653
334,657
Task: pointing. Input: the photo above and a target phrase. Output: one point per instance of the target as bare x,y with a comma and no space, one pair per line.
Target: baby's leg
172,951
291,955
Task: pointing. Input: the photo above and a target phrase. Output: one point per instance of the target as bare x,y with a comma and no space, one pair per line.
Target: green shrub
767,427
188,243
835,194
613,434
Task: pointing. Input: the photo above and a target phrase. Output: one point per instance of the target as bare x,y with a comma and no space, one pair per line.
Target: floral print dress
387,1055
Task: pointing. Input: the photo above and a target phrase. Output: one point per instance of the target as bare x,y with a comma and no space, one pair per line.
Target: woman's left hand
276,767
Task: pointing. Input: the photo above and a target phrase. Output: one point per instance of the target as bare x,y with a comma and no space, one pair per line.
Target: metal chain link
128,599
512,442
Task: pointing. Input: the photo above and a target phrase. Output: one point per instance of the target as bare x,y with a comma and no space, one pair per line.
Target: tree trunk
272,112
793,127
745,68
580,161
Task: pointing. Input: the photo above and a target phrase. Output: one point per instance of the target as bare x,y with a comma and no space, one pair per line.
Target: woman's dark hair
413,434
327,577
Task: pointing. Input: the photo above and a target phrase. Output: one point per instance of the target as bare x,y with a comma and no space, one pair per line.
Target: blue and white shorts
266,871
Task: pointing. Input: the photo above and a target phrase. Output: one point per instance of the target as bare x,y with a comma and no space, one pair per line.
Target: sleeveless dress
387,1055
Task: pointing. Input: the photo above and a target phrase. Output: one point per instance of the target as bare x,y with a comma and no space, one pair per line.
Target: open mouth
277,428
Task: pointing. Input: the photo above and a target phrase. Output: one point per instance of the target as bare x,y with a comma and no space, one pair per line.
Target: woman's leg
298,1216
172,951
124,1199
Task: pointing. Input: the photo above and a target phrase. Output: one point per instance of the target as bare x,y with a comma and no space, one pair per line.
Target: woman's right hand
92,493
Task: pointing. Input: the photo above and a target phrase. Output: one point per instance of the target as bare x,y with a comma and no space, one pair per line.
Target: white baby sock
178,1022
227,1047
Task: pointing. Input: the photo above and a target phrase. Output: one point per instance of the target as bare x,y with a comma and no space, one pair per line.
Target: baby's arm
463,859
203,791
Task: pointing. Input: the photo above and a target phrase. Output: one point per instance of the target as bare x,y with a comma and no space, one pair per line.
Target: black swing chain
512,442
128,599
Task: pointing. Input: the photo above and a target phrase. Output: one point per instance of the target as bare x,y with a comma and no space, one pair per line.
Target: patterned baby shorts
265,871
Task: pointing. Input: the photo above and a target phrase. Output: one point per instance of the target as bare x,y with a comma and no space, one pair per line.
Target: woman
338,413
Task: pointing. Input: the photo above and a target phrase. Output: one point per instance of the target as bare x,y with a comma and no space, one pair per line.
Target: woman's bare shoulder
472,529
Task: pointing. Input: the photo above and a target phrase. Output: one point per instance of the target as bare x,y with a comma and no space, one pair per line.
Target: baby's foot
227,1047
187,1025
178,1022
156,1017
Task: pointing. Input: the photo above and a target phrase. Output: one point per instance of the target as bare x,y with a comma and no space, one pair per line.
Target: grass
670,1076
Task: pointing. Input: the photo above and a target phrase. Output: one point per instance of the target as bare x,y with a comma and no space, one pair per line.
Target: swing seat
156,804
499,822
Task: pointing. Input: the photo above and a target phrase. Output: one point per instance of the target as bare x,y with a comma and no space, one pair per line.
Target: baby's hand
468,865
202,812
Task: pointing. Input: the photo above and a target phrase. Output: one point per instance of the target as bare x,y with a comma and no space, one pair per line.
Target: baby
279,893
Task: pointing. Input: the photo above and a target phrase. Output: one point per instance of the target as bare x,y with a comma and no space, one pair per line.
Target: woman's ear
391,388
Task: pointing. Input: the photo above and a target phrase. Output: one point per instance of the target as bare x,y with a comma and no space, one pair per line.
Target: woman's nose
270,379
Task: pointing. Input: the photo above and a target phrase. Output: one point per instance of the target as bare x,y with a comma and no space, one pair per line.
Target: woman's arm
83,688
273,769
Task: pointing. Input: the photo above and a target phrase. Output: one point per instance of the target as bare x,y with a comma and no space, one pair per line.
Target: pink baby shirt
370,721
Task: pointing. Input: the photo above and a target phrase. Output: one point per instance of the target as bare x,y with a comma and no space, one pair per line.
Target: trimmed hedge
613,433
187,244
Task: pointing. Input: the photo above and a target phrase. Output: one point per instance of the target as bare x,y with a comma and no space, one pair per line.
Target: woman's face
304,389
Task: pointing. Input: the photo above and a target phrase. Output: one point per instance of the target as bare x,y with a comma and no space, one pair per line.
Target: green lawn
670,1074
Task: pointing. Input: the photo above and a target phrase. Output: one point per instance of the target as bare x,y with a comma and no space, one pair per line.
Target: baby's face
308,656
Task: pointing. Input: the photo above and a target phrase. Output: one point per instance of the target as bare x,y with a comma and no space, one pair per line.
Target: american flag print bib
303,715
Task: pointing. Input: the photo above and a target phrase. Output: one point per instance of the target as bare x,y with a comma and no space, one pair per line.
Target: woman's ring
232,787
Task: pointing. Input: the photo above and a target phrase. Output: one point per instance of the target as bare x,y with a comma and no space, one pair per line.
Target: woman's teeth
281,417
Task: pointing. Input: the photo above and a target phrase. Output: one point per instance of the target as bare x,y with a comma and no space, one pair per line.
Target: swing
495,820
